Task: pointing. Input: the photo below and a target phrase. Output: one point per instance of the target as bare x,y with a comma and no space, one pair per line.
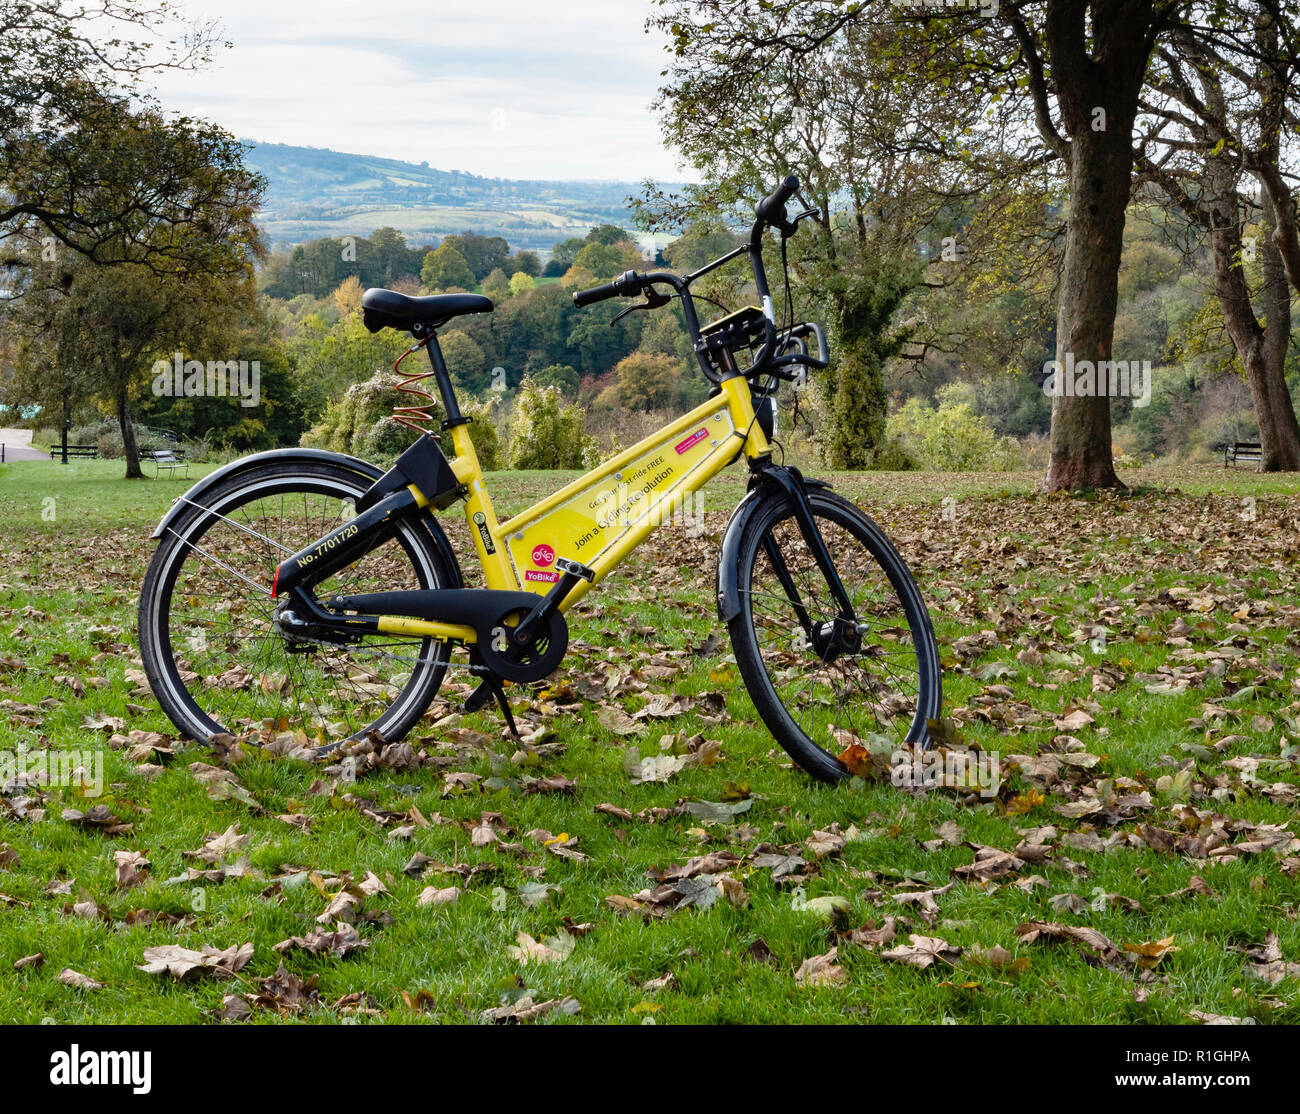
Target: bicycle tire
836,517
194,706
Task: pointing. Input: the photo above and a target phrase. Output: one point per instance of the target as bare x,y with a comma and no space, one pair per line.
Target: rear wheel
820,682
213,650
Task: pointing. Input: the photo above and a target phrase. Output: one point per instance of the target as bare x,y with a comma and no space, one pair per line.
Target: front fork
828,639
790,482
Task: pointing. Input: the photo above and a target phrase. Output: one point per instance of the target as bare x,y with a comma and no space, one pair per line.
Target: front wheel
821,681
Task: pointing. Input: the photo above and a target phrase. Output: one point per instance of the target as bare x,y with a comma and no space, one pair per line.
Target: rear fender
364,470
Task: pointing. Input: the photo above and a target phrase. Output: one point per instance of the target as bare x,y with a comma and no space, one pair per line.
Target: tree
1073,69
701,242
347,297
524,263
1216,112
496,286
86,158
521,283
644,381
385,259
607,258
170,280
560,376
328,358
607,234
831,116
562,256
277,419
483,254
465,361
445,268
113,324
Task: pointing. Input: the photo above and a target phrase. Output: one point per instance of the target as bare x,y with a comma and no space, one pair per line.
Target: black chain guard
525,663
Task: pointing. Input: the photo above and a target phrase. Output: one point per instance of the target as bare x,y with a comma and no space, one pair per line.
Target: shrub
545,433
893,456
952,438
483,432
107,437
361,423
645,381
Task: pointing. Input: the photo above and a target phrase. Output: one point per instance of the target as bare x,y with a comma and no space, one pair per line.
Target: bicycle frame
596,521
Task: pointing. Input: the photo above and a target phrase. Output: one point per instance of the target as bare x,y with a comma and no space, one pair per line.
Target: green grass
1038,573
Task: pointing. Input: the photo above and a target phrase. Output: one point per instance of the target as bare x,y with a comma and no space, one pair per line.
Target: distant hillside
316,192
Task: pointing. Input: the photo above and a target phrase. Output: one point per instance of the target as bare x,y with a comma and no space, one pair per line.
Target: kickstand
490,686
500,693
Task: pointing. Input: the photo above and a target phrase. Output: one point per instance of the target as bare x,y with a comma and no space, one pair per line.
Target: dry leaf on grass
523,1010
922,952
186,964
553,949
340,943
131,867
821,970
433,895
75,979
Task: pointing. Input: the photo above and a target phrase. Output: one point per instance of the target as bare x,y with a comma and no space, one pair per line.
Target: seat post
445,388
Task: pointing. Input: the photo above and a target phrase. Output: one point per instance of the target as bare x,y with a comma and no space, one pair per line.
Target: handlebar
768,213
771,210
627,285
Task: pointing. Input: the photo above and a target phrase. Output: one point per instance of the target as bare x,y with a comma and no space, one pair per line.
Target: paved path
18,445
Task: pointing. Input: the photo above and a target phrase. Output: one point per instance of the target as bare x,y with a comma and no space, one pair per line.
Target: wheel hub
839,636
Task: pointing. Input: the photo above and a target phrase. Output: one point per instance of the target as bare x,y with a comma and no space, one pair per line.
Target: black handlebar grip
772,208
595,294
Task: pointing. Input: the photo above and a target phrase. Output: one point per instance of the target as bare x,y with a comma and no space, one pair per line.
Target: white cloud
509,89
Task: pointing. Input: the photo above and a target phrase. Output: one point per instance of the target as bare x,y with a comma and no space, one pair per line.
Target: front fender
244,463
770,481
729,555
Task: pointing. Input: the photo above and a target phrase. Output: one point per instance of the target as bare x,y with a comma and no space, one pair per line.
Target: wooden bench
1243,450
171,459
88,451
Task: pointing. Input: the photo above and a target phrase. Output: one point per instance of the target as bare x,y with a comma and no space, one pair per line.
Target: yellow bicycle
313,592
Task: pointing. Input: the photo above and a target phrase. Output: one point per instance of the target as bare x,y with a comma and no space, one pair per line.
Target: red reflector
275,583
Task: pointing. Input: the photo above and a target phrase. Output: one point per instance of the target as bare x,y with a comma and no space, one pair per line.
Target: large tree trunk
1262,348
1279,433
1100,171
129,448
1098,52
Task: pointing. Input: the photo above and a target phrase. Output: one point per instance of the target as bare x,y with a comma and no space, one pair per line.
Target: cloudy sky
506,88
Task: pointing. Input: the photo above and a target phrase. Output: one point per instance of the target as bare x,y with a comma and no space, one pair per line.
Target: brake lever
653,300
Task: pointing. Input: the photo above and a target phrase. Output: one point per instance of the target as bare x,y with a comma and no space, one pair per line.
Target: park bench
171,459
89,451
1243,450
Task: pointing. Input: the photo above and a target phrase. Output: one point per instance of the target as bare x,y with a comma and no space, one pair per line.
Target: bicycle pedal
575,568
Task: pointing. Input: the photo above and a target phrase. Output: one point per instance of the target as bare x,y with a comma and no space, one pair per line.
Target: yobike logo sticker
480,520
543,555
690,442
544,577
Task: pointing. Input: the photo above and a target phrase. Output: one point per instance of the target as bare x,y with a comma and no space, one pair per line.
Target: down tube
602,517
